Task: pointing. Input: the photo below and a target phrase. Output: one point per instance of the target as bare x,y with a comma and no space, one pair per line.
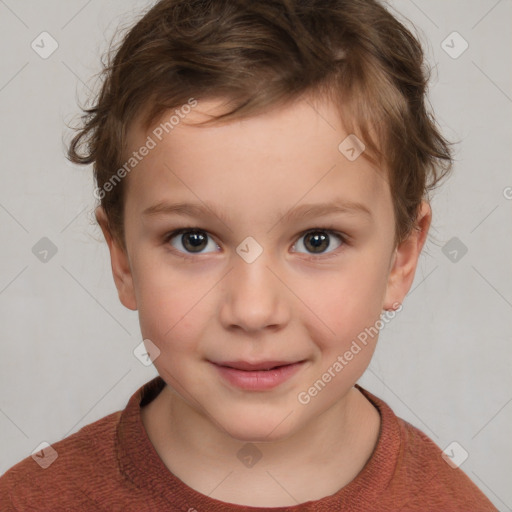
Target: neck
330,450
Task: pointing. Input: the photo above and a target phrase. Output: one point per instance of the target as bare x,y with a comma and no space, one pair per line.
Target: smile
257,376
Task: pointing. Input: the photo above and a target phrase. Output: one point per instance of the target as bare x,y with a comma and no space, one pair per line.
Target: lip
254,376
248,366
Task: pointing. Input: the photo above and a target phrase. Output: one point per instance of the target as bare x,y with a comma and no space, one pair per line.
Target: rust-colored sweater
111,465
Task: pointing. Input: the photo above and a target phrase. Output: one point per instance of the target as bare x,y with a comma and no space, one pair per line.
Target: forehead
283,157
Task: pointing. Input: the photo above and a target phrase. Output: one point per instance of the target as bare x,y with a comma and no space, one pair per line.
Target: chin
258,431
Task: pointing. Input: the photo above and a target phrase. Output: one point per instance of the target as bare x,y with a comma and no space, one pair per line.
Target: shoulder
413,474
431,478
65,471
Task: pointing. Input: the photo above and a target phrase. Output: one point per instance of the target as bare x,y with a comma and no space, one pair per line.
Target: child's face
203,299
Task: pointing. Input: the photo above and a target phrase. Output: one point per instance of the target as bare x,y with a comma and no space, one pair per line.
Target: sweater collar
141,464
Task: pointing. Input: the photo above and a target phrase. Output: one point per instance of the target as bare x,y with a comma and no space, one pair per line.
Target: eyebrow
206,209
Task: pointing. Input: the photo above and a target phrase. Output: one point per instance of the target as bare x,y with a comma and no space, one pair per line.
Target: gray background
443,363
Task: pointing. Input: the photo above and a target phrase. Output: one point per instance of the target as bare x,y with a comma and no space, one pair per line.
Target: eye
191,240
318,240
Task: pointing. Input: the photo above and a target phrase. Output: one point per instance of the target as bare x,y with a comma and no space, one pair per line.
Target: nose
254,297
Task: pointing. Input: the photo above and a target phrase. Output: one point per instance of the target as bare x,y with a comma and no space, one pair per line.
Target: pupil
318,239
193,240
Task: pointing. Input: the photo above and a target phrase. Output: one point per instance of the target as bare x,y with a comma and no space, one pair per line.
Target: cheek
349,300
168,303
345,323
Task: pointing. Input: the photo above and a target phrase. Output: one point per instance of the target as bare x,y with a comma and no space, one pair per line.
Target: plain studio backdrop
443,363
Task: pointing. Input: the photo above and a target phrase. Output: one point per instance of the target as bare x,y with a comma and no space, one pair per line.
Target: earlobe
121,270
405,259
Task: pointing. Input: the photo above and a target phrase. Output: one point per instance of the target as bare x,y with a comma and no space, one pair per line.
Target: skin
215,306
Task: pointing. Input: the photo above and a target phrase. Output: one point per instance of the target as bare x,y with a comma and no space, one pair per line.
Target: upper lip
254,366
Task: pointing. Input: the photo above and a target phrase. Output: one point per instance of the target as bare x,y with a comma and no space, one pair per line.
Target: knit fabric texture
111,465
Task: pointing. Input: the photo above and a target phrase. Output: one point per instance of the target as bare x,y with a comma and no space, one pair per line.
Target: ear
405,259
121,270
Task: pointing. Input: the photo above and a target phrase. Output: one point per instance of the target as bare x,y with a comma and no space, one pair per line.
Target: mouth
256,366
257,376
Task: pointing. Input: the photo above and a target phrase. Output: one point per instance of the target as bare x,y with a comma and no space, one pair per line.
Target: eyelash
342,237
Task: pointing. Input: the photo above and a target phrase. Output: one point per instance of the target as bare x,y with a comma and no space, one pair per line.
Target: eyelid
328,228
171,234
331,254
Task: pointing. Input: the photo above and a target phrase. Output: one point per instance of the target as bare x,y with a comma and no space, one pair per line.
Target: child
291,138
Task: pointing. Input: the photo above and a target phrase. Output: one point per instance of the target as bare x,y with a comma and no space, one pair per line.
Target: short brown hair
263,53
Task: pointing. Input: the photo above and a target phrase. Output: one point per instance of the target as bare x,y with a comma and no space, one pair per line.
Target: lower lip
258,380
